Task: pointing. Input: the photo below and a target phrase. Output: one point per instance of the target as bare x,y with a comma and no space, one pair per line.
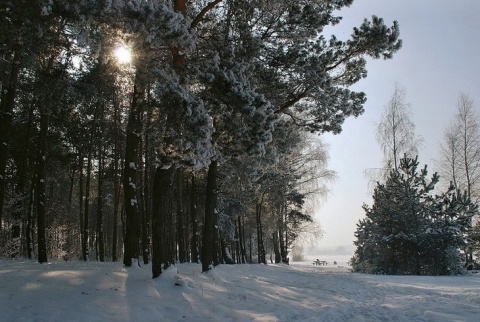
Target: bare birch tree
396,135
460,156
459,160
449,161
469,146
396,130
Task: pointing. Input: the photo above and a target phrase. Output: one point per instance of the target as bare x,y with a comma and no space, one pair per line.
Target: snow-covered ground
79,291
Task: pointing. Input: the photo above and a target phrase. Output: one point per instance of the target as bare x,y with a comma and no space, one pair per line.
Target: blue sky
440,59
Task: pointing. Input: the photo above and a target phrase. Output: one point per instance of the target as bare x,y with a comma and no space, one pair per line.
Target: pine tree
408,230
267,61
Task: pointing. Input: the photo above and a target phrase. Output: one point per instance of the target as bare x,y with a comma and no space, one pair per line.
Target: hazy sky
440,58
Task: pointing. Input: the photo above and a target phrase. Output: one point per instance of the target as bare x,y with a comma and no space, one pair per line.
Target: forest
171,131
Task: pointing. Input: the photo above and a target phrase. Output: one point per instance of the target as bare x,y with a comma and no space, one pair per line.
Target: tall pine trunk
181,218
243,243
30,221
276,248
238,252
282,236
194,221
86,214
134,129
115,219
7,102
116,180
145,199
161,218
241,239
210,240
86,208
142,181
250,247
100,235
260,245
41,185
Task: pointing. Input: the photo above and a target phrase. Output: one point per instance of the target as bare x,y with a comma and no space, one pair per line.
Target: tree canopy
210,86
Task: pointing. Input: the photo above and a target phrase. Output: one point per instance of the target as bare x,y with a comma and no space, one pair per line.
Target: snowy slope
78,291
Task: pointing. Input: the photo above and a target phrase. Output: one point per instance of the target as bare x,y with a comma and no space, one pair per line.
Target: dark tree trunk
86,208
259,233
71,243
161,217
145,233
86,214
147,199
282,237
115,223
116,181
7,102
238,242
134,129
40,186
142,202
194,221
181,220
243,242
260,244
178,57
276,248
250,246
233,249
30,221
71,189
80,195
226,249
100,234
210,243
132,220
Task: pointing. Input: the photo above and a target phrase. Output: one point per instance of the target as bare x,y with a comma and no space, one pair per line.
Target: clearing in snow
92,291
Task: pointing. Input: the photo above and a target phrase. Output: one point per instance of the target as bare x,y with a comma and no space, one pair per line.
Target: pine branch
202,13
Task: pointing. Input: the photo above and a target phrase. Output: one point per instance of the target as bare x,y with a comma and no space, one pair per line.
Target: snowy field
79,291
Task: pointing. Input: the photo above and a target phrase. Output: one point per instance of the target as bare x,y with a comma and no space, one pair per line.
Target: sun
123,54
